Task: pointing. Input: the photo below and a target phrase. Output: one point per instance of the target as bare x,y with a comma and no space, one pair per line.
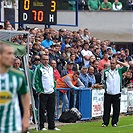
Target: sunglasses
37,59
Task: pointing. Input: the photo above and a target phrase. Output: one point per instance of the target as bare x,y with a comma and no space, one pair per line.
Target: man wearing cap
83,76
68,70
66,43
113,47
110,52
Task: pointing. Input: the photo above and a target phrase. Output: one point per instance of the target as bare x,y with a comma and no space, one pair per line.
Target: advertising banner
97,102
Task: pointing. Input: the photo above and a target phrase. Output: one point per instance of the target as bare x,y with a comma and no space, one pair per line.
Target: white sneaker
31,122
115,125
57,129
44,129
103,125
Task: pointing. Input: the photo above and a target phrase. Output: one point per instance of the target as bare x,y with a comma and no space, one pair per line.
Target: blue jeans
65,101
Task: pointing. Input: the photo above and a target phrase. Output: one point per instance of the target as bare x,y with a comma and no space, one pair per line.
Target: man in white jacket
43,83
117,6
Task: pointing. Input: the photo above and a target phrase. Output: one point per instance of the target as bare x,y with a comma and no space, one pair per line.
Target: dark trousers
46,104
113,100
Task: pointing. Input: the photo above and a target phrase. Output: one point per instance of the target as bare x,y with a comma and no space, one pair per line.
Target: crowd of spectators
71,51
104,5
92,5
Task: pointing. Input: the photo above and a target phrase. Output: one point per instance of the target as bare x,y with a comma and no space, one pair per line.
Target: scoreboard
38,12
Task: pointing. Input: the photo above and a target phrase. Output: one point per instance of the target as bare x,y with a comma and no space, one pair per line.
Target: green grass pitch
125,125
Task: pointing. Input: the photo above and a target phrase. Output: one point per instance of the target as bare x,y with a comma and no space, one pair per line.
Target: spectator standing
59,58
94,5
84,76
128,57
43,83
105,60
110,53
126,80
12,82
129,5
106,5
46,31
35,49
117,6
86,35
69,67
75,65
97,73
56,72
67,42
36,61
86,53
113,47
97,53
123,58
91,60
112,79
79,57
91,76
17,64
47,42
131,64
83,4
67,51
61,35
103,49
52,53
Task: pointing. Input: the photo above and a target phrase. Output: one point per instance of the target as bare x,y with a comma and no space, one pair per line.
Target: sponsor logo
5,97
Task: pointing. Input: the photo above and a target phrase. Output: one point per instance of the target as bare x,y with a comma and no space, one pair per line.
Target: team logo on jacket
5,97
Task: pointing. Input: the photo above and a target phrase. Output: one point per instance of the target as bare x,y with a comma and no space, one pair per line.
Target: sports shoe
103,125
114,125
57,129
44,129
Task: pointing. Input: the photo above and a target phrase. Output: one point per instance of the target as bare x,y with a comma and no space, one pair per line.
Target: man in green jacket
112,79
43,83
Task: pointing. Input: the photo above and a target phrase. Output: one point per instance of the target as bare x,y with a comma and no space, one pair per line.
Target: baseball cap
109,48
84,67
118,52
68,46
112,43
67,36
70,62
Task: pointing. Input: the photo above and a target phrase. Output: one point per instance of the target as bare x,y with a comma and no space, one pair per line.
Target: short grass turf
125,126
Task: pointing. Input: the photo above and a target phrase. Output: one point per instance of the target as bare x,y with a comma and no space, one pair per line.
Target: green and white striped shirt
11,84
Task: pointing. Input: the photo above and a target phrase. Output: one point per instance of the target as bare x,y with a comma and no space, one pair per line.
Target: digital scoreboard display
38,12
